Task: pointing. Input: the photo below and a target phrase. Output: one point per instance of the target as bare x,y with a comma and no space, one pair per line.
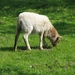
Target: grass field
58,60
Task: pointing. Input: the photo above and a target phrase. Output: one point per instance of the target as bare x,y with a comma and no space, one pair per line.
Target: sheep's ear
59,36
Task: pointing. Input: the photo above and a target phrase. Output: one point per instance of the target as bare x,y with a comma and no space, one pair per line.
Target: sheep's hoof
15,48
29,48
41,48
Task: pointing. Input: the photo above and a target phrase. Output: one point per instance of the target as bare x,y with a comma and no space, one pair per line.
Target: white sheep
32,22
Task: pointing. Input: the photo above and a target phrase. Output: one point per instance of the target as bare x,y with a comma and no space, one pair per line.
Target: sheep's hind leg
26,40
16,38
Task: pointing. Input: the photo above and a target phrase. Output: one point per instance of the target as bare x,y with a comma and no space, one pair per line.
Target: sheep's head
53,36
55,40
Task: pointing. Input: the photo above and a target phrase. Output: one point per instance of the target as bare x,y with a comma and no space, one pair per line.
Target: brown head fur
53,36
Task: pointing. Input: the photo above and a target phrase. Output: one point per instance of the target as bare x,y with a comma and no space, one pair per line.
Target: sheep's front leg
26,41
41,39
44,42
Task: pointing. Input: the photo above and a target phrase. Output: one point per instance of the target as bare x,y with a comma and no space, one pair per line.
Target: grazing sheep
32,22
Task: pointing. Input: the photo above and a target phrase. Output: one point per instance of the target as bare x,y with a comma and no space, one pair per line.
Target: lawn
58,60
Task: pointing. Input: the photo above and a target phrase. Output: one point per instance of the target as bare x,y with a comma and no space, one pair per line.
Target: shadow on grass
6,49
22,48
35,47
15,7
35,3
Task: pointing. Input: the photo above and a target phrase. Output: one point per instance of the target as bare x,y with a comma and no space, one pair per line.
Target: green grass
58,60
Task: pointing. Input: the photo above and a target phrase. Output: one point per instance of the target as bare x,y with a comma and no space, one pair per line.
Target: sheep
31,22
